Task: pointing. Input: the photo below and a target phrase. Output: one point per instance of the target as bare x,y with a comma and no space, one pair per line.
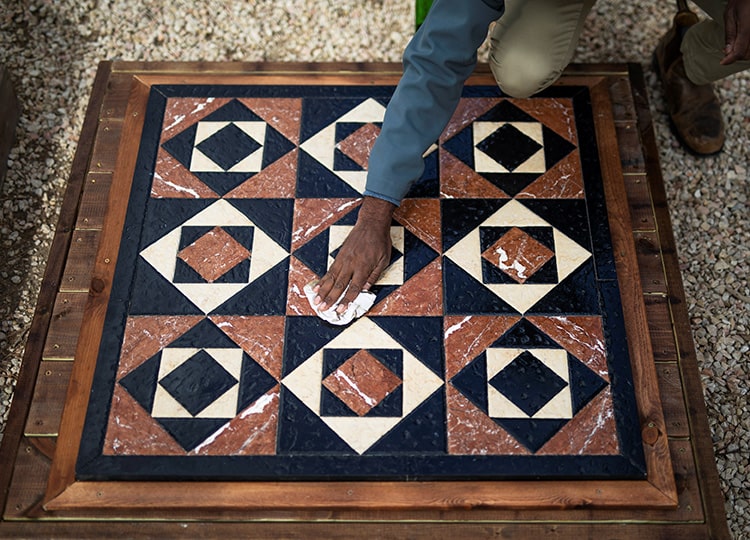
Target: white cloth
357,308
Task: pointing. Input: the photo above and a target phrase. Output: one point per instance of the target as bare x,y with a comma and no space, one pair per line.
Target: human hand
736,31
363,256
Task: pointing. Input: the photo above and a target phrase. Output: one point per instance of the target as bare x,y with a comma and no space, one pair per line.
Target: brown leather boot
694,109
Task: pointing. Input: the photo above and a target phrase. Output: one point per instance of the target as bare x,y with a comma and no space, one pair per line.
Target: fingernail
323,306
317,300
341,309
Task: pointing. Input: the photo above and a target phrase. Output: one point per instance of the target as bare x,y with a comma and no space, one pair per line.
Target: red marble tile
214,254
313,216
518,254
472,432
468,336
260,337
181,113
581,336
283,114
362,382
146,336
555,113
593,431
459,181
132,431
299,276
468,110
277,181
173,181
252,432
422,295
422,218
358,145
563,181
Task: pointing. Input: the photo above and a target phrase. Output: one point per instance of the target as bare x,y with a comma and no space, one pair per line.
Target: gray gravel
51,49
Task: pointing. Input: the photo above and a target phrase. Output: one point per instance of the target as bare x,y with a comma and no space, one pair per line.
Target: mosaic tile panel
495,349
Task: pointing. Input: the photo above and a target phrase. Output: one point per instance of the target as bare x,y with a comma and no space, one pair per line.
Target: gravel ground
51,49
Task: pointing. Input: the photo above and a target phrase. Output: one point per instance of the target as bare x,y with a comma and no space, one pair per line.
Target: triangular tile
314,254
313,216
233,111
465,295
422,431
278,180
202,336
190,432
472,432
467,111
146,336
555,113
468,336
284,114
304,336
299,276
581,336
276,146
471,381
563,181
182,112
459,181
525,335
251,433
422,218
173,181
272,216
151,294
264,296
316,181
315,437
575,294
506,111
141,382
592,432
416,334
422,295
460,217
132,431
584,384
260,337
555,147
532,433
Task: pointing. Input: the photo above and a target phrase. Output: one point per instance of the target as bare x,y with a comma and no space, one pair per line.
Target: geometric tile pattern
495,347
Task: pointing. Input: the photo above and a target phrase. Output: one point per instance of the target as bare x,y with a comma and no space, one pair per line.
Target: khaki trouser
535,39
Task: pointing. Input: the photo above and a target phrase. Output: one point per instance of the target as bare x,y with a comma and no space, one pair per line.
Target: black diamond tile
198,382
528,383
228,146
509,146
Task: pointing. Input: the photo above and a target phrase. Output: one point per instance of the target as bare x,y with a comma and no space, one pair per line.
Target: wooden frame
394,501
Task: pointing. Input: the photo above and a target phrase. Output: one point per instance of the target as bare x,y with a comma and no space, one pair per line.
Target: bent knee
523,75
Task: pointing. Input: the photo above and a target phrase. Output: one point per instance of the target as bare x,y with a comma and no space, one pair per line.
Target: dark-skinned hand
363,256
737,31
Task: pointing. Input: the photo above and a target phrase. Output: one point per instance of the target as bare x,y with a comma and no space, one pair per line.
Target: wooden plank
639,199
50,283
104,155
30,470
116,100
94,201
77,275
329,529
631,155
49,399
623,108
650,262
673,400
63,473
10,110
65,326
636,323
701,434
661,328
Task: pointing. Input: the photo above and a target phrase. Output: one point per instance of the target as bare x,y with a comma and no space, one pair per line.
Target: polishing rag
357,308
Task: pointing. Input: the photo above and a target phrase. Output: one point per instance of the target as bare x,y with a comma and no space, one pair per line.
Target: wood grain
65,326
94,201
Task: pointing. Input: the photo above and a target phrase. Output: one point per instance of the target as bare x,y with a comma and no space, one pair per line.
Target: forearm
437,62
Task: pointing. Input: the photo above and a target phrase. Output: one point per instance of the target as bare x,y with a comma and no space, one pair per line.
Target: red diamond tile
422,295
214,254
277,181
563,181
362,382
518,254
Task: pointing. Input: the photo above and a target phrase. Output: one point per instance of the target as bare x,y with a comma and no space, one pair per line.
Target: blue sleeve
437,62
